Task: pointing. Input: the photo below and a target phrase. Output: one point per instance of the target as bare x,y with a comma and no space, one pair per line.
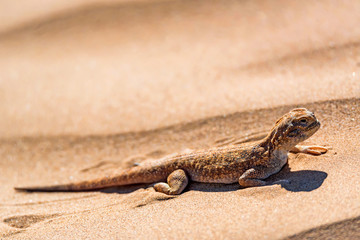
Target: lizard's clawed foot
314,150
176,183
250,178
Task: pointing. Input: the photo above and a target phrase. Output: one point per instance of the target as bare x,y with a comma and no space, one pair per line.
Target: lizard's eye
303,121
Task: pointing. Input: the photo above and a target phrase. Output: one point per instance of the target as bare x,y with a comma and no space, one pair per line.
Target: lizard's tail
71,187
52,188
127,177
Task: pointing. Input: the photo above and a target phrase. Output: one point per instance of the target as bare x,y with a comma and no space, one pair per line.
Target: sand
87,89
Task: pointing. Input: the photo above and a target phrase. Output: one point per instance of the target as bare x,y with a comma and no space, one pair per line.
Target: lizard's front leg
176,183
252,177
314,150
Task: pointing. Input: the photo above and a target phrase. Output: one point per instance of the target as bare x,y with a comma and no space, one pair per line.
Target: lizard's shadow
294,181
298,181
124,189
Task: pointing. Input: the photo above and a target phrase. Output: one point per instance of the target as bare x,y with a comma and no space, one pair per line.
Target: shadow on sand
298,181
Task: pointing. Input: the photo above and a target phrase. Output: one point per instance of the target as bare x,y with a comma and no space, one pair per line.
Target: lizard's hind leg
176,183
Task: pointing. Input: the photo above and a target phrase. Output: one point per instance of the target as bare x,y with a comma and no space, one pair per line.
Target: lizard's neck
277,140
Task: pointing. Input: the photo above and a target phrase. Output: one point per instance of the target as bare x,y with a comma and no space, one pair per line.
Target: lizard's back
218,165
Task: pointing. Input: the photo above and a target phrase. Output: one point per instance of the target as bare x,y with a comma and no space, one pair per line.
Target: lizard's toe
316,150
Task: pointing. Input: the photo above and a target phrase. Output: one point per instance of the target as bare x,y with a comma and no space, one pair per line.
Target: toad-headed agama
248,165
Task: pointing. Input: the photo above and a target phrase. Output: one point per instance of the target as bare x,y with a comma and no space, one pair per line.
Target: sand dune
169,62
93,89
323,189
347,229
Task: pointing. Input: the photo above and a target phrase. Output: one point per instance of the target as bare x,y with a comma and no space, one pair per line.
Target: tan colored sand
164,63
87,91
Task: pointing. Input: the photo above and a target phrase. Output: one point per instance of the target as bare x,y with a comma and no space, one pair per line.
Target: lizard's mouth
314,125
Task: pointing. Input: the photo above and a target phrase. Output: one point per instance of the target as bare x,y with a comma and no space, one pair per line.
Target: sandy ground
88,89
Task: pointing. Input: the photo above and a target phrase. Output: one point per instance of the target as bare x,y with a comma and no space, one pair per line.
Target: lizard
248,165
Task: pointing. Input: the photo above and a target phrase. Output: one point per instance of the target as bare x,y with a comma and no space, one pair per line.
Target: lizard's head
294,127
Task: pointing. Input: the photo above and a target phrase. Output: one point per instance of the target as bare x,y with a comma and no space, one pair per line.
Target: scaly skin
247,165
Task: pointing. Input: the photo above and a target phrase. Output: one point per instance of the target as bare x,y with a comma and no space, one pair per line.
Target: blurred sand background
87,87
